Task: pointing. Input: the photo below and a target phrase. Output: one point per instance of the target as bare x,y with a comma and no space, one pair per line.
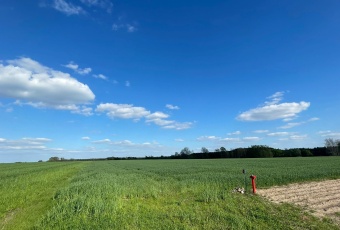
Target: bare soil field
321,198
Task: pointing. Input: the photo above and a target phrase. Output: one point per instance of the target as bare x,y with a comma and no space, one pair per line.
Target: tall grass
184,194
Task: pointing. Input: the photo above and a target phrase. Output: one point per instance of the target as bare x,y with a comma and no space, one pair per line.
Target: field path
323,197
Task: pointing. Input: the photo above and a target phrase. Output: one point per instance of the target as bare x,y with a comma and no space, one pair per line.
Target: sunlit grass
170,194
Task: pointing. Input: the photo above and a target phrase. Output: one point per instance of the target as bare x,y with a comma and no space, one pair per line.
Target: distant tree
294,153
222,149
204,150
332,146
306,153
217,150
52,159
40,161
185,151
259,151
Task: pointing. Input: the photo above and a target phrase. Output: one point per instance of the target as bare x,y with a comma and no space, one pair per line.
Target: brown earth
322,198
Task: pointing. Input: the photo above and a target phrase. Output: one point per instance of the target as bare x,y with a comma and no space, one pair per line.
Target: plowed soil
322,198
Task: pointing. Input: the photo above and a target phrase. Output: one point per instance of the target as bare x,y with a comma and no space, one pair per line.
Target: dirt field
322,198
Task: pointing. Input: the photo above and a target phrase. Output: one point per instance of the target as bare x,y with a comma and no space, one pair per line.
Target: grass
157,194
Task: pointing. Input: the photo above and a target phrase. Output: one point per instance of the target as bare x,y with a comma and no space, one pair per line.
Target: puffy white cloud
298,137
272,110
86,138
173,107
27,80
125,111
128,111
78,70
67,8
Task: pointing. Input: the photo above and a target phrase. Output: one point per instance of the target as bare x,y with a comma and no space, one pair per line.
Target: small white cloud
298,137
294,124
275,98
67,8
85,138
78,70
251,138
235,133
104,4
229,139
172,107
278,134
261,131
125,111
329,134
100,76
104,141
208,138
179,140
128,27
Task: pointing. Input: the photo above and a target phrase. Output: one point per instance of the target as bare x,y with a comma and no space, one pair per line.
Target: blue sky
100,78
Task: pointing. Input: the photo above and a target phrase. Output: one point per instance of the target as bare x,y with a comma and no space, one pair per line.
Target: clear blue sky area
100,78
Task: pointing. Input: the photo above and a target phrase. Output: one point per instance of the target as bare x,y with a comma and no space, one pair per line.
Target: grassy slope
26,190
184,194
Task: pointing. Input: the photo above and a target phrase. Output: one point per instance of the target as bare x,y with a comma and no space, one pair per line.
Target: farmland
156,194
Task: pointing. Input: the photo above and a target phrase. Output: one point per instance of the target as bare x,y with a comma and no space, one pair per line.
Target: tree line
331,148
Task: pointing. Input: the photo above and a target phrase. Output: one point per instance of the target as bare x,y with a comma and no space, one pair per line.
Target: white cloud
128,111
329,134
275,98
24,144
100,76
179,140
208,138
40,86
235,133
85,138
230,139
272,110
251,138
261,131
128,27
67,8
178,125
173,107
78,70
278,134
298,137
104,4
125,111
294,124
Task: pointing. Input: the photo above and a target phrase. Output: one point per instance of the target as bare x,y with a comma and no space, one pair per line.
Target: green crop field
156,194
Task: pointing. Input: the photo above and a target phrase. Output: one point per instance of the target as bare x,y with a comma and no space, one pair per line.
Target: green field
156,194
